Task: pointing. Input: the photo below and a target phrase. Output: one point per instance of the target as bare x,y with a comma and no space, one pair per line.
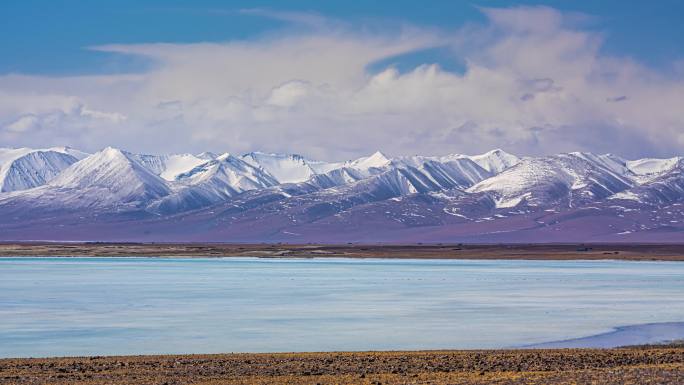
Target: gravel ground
636,252
649,365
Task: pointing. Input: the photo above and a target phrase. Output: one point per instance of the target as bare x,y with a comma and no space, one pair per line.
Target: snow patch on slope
286,168
168,167
495,161
650,168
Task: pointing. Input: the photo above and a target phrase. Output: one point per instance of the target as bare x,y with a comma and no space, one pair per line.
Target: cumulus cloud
535,82
35,120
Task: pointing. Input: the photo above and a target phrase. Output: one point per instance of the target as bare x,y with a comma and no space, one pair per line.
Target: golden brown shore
647,365
637,252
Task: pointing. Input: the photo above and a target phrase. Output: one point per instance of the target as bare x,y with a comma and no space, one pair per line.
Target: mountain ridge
491,197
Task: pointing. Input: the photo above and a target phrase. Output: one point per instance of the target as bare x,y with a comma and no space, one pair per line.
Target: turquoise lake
105,306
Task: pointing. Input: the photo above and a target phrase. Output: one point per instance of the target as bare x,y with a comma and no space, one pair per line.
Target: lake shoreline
626,252
662,364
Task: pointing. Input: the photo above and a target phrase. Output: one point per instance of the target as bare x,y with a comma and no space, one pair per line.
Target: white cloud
48,119
288,94
535,83
24,123
111,116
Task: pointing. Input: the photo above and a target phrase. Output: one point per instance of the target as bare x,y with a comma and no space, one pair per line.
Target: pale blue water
89,306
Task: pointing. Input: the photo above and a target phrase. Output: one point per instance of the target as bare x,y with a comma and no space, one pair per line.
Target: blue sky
338,79
51,37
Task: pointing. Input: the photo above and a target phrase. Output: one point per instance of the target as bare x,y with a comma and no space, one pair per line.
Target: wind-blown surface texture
115,195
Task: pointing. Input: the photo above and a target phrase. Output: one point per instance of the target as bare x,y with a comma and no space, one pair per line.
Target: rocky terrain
649,365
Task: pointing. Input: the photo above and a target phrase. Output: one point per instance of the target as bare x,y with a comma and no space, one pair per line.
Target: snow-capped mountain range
65,194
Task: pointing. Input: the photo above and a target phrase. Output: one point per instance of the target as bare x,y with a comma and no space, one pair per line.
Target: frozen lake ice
105,306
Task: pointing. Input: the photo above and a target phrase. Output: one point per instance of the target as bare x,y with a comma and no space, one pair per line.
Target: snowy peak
24,168
168,167
293,168
565,180
213,182
376,160
112,176
342,173
286,168
166,184
229,173
178,164
495,161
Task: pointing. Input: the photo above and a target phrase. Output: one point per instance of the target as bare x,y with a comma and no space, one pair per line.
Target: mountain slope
213,182
446,173
285,168
293,168
564,180
493,197
650,168
168,167
110,177
664,183
23,168
495,161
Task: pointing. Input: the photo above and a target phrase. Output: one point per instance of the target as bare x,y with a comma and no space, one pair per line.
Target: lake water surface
104,306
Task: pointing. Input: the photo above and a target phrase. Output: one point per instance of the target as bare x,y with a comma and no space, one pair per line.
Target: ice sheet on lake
97,306
655,333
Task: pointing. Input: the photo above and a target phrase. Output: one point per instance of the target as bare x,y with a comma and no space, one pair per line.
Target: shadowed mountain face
114,195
